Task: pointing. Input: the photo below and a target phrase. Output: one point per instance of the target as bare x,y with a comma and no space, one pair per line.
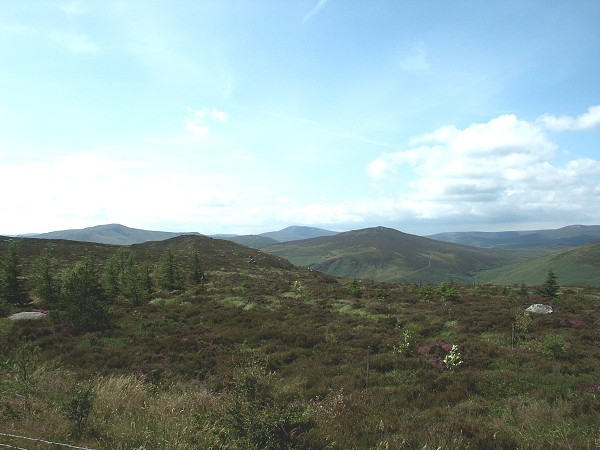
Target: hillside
570,236
251,240
219,254
109,234
390,255
576,267
262,354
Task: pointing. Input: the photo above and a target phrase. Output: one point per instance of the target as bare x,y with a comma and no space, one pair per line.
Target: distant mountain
576,267
293,233
389,255
109,234
570,236
296,233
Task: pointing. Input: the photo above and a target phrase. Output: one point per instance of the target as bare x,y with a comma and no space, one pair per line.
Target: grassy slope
576,267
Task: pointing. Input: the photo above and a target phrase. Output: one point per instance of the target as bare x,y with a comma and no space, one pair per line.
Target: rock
28,315
538,308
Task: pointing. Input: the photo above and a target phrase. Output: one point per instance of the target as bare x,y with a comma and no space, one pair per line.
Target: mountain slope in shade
570,236
109,234
251,240
389,255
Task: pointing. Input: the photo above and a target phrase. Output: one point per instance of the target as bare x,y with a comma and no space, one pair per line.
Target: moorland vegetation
195,342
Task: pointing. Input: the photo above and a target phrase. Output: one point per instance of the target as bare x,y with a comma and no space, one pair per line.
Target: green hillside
576,267
389,255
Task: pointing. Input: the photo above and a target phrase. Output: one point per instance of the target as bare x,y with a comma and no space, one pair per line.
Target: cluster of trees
81,295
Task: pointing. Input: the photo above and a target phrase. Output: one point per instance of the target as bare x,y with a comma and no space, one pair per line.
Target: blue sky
249,116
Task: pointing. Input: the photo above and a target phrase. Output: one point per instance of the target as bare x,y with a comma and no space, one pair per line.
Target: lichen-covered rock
28,315
539,308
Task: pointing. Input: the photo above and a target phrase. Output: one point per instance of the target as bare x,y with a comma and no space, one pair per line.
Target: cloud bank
503,168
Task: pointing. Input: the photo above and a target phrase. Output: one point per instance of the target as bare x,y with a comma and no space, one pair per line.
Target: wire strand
39,440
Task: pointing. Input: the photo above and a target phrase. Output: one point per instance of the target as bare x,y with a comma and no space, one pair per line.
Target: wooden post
368,365
512,344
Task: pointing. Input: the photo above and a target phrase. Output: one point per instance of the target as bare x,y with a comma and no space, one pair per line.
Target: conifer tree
169,274
83,303
196,271
11,288
46,286
113,274
550,287
133,282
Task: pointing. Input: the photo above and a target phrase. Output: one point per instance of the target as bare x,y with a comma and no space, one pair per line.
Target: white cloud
197,124
491,169
314,11
589,119
380,169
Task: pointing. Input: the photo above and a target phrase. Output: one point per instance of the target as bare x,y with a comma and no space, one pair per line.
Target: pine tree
83,302
196,271
113,274
133,282
169,275
550,287
11,289
46,286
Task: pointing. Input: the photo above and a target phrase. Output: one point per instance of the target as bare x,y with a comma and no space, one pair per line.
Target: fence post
368,365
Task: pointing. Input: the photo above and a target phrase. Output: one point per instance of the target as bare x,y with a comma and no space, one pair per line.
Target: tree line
82,294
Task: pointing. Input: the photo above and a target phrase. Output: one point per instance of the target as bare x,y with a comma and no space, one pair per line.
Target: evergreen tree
113,274
83,302
11,286
46,286
196,271
169,274
133,282
146,277
550,287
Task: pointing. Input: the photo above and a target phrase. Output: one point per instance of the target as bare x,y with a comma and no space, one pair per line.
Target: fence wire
14,436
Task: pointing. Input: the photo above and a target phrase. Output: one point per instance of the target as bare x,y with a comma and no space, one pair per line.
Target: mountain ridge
386,254
568,236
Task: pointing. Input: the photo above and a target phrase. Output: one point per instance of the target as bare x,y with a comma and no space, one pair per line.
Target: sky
243,117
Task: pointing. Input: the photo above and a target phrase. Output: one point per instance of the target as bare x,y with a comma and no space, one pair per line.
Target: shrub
453,359
447,292
4,308
255,417
554,345
78,409
406,343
